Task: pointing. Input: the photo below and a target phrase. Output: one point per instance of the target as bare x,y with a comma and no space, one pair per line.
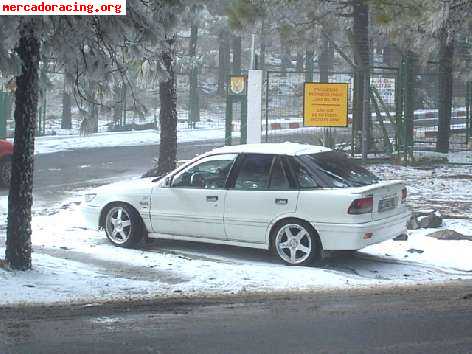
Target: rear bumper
347,237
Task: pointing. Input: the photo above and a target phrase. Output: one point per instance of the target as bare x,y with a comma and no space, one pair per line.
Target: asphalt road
424,320
58,173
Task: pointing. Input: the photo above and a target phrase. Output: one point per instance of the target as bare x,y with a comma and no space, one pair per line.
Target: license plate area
388,203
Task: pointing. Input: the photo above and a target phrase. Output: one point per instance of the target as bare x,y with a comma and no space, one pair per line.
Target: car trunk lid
387,198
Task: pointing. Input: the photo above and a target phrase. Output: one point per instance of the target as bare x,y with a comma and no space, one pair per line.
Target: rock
412,224
449,235
402,237
431,221
412,250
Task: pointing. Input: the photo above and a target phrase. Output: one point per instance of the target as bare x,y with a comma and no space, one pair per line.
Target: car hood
138,185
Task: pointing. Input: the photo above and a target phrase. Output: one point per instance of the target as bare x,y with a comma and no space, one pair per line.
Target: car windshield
337,170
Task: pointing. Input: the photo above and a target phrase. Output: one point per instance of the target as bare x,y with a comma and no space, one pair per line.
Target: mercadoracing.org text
62,7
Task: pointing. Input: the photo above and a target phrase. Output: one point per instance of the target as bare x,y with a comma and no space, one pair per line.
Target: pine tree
91,45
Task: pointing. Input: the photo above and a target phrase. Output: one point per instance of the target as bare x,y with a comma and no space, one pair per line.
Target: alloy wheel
293,243
118,225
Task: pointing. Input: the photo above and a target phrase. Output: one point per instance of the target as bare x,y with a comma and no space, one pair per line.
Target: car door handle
281,201
212,198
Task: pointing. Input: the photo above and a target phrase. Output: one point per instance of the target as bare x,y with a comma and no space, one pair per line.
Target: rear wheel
5,171
123,226
296,243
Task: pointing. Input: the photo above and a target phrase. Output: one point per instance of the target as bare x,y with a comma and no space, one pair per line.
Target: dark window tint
304,178
254,172
337,170
278,178
209,173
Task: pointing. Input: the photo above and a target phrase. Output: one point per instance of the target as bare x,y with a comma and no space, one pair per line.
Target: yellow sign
237,85
325,105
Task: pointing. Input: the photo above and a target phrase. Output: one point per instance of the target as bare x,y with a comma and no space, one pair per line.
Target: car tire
124,226
296,243
5,171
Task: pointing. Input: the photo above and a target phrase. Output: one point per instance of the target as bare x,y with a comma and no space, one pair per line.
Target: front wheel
296,243
123,226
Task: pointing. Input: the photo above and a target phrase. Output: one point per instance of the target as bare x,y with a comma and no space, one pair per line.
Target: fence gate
283,111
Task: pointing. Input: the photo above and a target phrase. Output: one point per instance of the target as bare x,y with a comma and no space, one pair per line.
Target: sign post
254,106
325,105
237,92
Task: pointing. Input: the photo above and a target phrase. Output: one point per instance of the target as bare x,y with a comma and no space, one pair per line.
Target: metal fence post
365,117
267,109
468,114
401,110
243,129
410,89
228,119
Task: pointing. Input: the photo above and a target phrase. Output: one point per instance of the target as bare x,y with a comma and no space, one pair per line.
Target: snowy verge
72,264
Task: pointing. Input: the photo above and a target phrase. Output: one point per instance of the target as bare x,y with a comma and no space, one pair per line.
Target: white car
293,199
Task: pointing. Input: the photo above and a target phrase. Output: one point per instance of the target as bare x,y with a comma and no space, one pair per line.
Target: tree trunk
446,53
66,122
387,55
168,112
285,55
325,63
299,60
223,62
237,55
92,118
20,198
194,97
263,47
309,64
326,59
117,109
360,44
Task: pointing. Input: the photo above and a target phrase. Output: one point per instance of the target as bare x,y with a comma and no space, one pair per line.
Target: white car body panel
186,212
248,221
246,218
136,192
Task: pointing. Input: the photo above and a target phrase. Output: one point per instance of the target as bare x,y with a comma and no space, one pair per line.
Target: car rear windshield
337,170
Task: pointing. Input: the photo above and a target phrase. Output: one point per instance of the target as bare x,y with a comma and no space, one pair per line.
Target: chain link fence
283,111
426,119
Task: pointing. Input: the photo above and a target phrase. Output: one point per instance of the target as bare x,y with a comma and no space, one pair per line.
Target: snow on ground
72,264
447,188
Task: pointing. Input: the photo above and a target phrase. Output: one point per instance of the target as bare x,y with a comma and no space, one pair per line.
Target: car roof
290,149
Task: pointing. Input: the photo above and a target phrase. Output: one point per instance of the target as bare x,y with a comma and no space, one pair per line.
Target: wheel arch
273,227
107,207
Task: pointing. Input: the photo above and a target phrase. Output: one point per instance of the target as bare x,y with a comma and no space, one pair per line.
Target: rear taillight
404,194
361,206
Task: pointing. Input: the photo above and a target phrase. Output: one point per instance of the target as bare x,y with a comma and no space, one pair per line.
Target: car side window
209,173
278,177
254,172
304,178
